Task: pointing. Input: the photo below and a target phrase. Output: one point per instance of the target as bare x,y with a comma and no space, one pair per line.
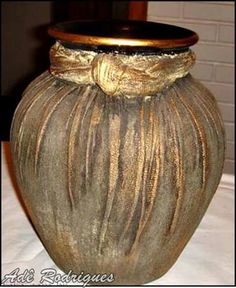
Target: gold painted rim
113,41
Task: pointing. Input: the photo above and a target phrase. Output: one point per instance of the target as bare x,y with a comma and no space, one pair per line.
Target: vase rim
123,33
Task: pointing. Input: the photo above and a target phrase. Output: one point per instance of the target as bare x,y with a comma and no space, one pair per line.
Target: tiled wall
214,23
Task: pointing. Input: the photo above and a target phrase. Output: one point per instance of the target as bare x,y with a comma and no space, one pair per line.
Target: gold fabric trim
118,74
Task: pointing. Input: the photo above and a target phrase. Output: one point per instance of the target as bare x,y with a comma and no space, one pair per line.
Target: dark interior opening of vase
127,35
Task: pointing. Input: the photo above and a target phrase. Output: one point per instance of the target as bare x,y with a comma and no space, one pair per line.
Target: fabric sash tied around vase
119,74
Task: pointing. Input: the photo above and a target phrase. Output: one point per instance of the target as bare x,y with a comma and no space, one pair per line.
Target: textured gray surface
212,245
117,185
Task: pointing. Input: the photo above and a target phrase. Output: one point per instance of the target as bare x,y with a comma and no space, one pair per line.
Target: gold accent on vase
98,40
118,74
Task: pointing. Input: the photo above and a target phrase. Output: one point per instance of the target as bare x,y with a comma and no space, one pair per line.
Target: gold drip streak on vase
203,142
94,122
179,166
28,106
114,141
92,99
194,130
21,130
36,83
61,95
145,216
76,112
30,93
201,103
215,127
156,177
211,115
138,182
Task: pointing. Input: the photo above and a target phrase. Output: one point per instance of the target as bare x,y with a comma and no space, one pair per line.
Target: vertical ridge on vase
93,124
73,130
138,181
144,167
83,139
114,144
178,160
28,115
147,189
30,93
48,112
128,156
26,106
217,128
35,83
203,142
38,97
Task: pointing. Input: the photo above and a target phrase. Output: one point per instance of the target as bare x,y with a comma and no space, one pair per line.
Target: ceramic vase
117,149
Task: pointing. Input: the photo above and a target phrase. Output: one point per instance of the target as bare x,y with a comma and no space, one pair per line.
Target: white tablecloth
208,259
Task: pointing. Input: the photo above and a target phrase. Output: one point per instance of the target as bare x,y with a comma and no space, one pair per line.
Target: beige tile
213,52
207,11
229,152
221,2
224,73
229,167
229,130
222,92
204,31
227,111
165,8
226,33
202,71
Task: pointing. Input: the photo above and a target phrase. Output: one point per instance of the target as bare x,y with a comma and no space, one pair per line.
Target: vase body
116,184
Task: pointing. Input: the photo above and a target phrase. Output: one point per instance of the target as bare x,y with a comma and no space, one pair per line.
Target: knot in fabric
119,74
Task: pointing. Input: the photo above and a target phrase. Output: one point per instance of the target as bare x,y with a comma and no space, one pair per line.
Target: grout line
213,62
230,142
209,21
215,43
188,20
220,3
220,102
228,104
182,10
214,72
229,122
230,159
220,83
216,63
217,32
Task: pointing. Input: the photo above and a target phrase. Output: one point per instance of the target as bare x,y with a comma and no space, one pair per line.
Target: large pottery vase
117,149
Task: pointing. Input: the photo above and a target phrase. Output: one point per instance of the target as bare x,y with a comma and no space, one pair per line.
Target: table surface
208,258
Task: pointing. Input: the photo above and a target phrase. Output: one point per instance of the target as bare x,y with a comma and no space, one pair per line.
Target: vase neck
118,74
